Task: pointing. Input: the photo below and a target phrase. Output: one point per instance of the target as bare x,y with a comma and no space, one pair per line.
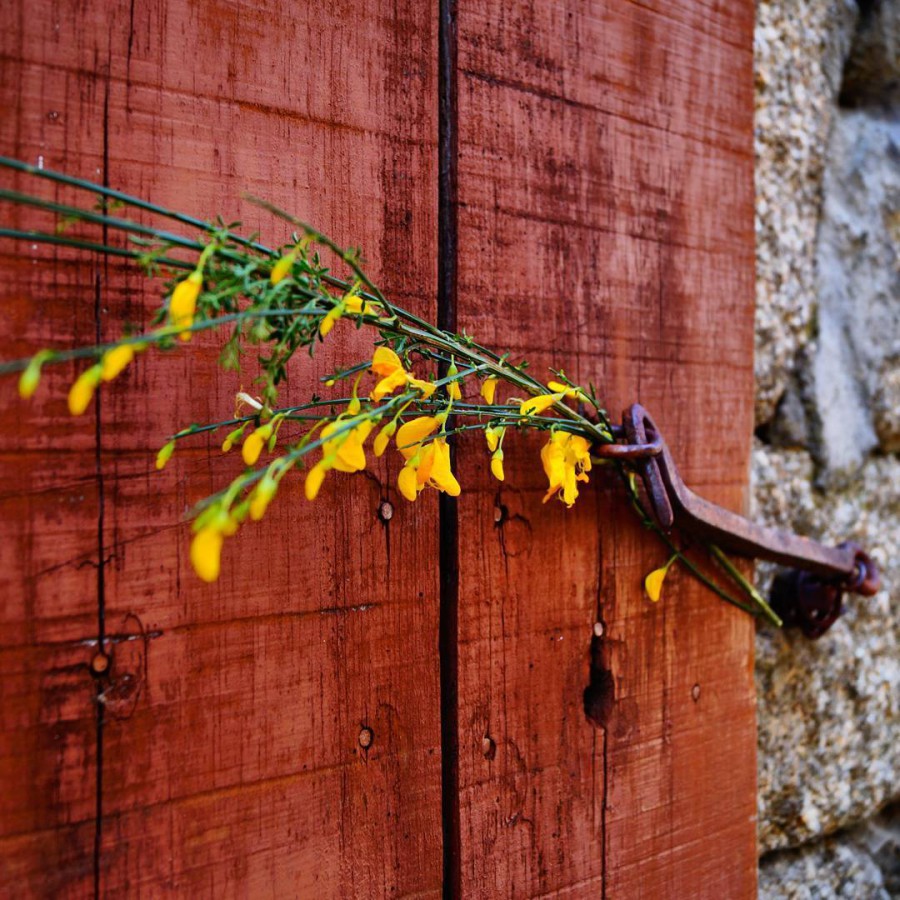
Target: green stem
750,589
38,237
94,188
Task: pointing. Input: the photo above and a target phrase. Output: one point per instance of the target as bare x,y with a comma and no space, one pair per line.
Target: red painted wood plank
606,226
232,761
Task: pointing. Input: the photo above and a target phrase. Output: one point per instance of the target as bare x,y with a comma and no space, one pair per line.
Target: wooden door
363,707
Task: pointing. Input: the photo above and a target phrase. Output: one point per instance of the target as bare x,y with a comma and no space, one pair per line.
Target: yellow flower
82,391
412,433
262,497
331,317
254,442
183,303
488,388
282,268
313,482
164,455
493,434
383,438
206,552
347,449
539,404
426,387
573,393
408,483
567,460
233,437
453,391
114,361
354,304
654,581
427,465
497,464
442,477
344,453
354,406
387,364
30,378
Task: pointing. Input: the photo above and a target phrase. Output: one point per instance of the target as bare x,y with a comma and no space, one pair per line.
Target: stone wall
828,434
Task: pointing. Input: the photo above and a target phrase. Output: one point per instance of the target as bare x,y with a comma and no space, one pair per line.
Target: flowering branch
276,301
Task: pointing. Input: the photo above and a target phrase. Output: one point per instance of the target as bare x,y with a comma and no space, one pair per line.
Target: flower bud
453,391
383,438
488,388
165,454
314,481
115,360
262,497
282,268
31,377
82,391
206,552
183,303
253,444
497,465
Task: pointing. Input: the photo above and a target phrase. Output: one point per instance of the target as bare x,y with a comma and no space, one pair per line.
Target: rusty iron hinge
809,596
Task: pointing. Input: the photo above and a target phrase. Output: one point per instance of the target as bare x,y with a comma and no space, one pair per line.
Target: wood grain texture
231,762
605,201
604,196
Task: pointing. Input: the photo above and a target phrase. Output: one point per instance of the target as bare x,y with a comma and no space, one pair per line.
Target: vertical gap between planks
448,520
100,279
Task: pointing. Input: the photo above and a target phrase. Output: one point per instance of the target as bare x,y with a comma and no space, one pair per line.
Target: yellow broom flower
572,393
254,443
330,318
429,465
383,438
426,387
115,360
453,391
387,364
262,497
344,453
233,437
31,377
354,304
654,581
412,433
164,455
488,389
82,391
408,483
442,477
536,405
493,434
282,268
497,464
313,482
183,303
567,460
206,552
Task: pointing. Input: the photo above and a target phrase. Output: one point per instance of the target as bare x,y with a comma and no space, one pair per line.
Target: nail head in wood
100,663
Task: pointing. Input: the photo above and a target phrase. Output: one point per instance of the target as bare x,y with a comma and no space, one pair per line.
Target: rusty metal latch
809,597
